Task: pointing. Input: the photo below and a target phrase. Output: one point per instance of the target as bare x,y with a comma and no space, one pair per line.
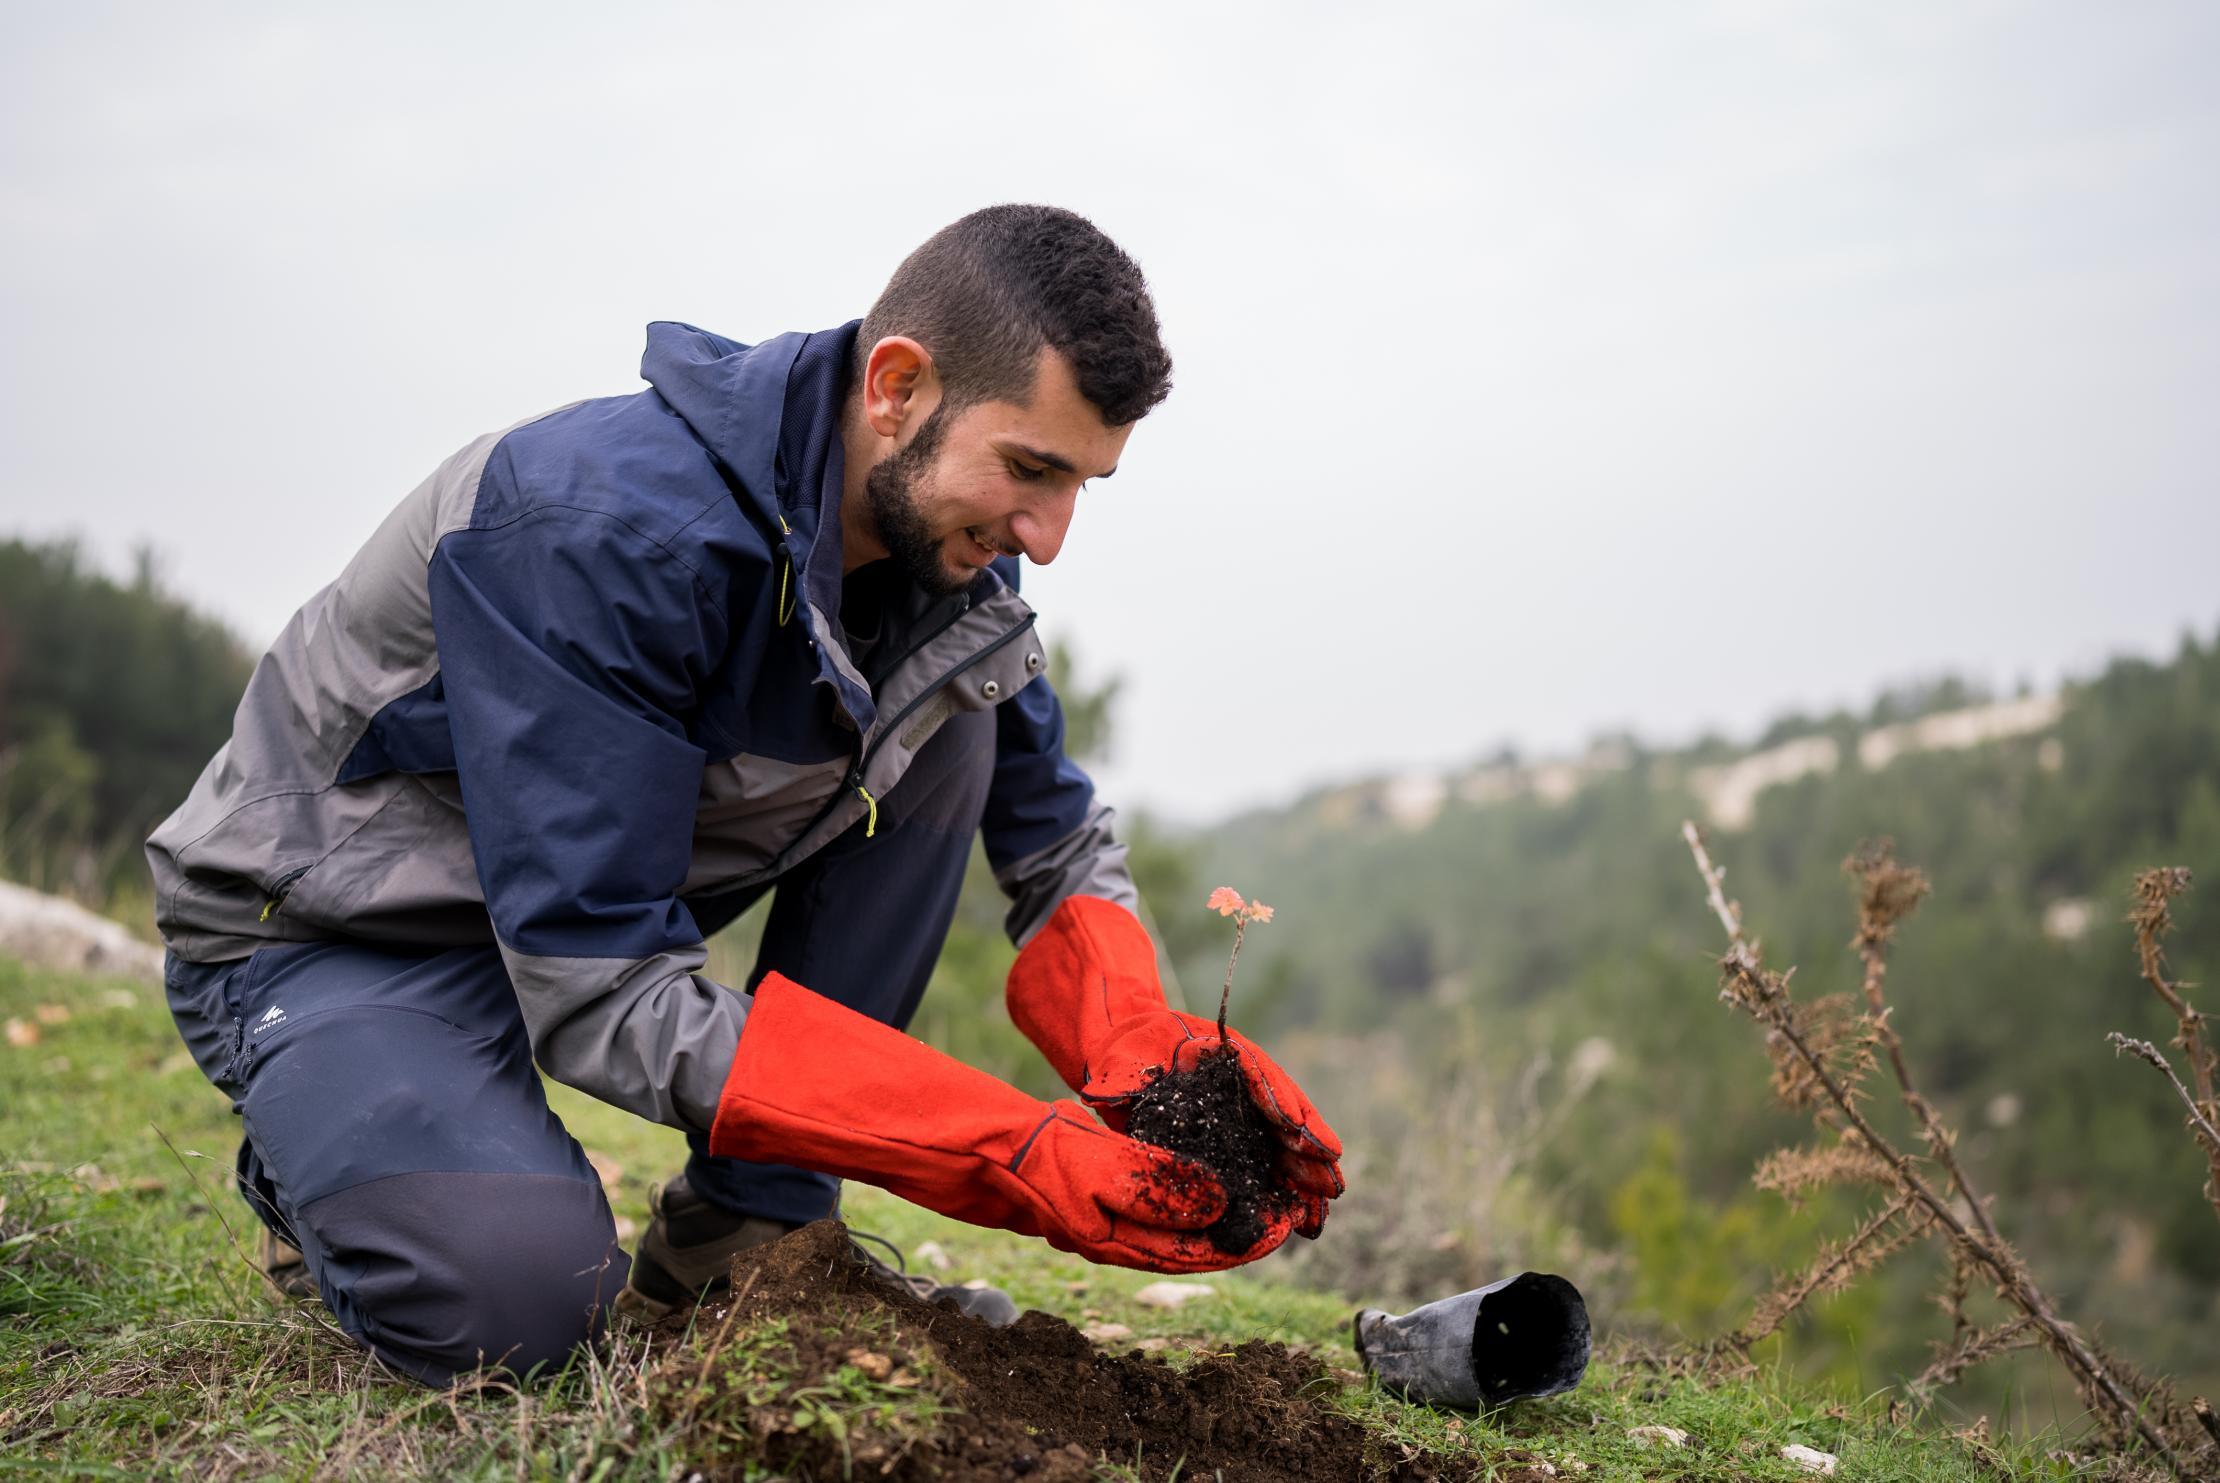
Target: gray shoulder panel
267,808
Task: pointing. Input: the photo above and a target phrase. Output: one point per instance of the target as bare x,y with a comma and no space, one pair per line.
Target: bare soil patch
1033,1401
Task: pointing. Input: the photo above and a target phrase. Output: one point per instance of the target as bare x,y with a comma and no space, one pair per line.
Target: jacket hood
768,412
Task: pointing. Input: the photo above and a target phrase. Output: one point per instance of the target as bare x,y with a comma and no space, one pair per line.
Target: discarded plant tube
1523,1337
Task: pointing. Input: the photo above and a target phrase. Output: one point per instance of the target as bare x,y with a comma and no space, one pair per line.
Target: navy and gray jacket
591,677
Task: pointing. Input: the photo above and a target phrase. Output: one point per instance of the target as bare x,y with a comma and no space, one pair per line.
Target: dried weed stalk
2153,918
1820,1062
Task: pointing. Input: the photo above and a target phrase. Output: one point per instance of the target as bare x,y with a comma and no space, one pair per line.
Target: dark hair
985,293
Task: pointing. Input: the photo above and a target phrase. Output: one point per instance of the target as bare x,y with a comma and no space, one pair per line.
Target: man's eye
1027,472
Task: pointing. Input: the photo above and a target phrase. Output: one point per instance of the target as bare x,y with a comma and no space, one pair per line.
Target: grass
137,1340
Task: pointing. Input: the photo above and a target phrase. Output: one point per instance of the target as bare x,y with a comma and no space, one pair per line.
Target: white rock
932,1254
1663,1436
48,932
1810,1459
1103,1333
1172,1294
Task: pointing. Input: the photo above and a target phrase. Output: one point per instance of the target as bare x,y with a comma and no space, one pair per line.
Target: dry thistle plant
2153,918
1823,1053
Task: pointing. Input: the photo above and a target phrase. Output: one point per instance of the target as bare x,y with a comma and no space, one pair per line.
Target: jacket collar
770,414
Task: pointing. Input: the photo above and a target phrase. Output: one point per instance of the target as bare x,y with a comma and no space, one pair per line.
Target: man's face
995,479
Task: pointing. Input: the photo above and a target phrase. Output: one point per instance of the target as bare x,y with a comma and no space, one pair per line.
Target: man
591,690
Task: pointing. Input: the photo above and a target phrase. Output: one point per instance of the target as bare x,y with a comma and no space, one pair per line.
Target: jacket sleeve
1047,837
572,649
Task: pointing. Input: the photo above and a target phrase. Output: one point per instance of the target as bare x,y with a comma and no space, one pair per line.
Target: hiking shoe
687,1252
282,1263
990,1305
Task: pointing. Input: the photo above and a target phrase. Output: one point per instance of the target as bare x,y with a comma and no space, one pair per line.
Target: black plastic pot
1523,1337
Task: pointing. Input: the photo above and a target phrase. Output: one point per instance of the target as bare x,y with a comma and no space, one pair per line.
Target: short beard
890,497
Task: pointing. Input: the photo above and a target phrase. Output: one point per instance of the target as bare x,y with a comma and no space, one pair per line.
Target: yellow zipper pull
786,580
871,824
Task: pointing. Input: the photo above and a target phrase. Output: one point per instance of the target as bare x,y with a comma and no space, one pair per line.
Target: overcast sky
1541,369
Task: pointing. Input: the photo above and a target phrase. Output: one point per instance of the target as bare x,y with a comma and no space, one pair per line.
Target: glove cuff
816,1084
1090,967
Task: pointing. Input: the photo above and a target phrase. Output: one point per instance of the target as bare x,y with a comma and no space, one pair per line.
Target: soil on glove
1205,1113
964,1402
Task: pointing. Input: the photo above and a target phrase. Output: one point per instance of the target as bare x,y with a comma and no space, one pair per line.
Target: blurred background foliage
1506,999
113,695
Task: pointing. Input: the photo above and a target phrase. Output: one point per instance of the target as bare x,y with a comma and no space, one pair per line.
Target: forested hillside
113,695
1526,946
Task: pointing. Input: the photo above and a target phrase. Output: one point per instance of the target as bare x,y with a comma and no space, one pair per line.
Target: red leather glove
817,1084
1085,990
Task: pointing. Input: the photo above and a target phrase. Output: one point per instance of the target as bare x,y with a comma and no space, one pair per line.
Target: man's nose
1039,530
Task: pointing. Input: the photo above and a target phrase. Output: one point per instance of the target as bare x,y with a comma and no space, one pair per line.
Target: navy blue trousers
395,1130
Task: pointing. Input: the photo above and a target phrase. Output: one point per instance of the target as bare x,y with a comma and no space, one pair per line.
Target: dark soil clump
1034,1401
1205,1113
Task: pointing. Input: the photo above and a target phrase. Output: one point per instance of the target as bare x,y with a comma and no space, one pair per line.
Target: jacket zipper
854,781
281,888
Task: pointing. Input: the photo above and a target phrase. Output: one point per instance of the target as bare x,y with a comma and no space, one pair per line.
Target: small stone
22,1034
873,1364
1103,1333
1575,1465
1172,1294
51,1014
1663,1436
1810,1459
933,1255
96,1179
1153,1346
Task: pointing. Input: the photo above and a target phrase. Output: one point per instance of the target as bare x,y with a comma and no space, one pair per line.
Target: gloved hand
1085,990
817,1084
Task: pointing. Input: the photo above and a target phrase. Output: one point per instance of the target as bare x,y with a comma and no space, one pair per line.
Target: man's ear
900,388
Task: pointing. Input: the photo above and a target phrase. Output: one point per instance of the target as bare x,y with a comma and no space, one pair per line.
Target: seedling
1202,1110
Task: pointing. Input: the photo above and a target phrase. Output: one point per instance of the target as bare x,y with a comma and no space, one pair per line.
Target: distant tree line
113,695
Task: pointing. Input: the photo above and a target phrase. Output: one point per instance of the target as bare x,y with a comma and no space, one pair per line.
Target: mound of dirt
1033,1401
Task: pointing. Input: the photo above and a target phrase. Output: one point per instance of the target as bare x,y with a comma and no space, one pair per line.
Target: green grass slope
136,1340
